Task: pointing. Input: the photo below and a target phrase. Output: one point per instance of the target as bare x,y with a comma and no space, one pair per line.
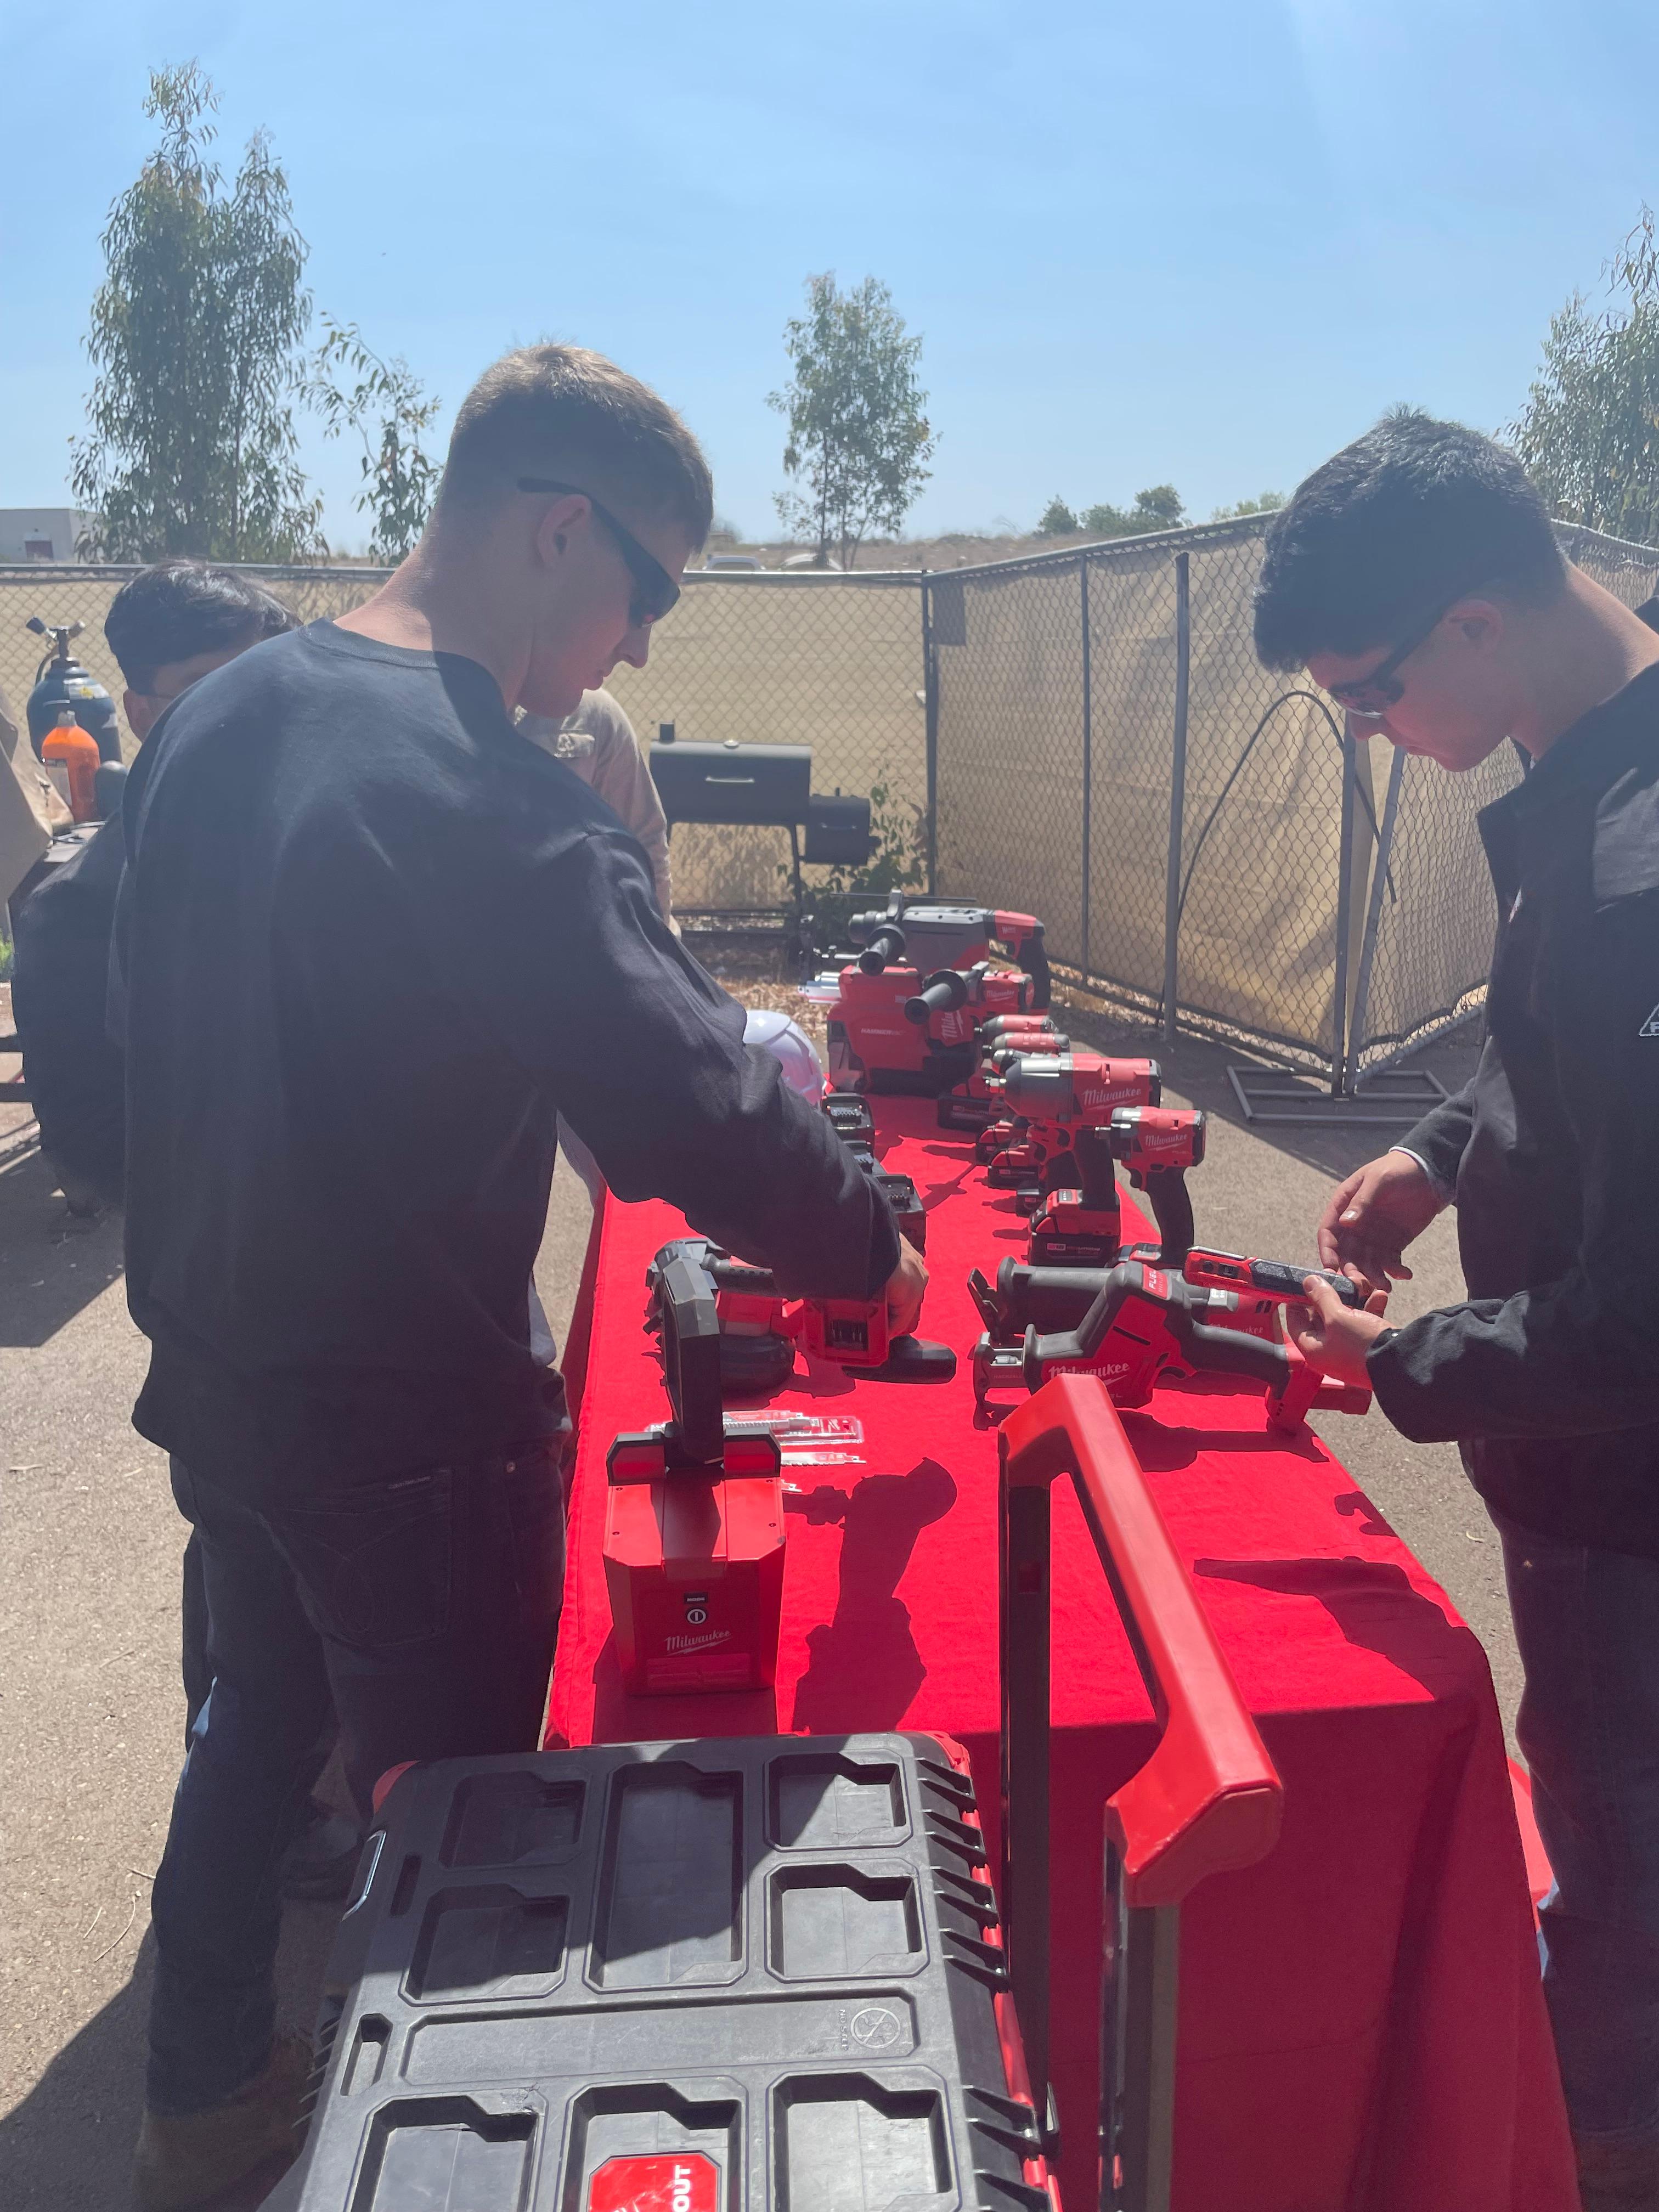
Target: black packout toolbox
702,1977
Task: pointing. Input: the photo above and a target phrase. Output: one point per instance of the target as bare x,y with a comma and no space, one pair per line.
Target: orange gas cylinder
71,759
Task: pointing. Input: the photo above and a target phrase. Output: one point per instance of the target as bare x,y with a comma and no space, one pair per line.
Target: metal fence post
930,709
1177,793
1356,1043
1088,769
1344,911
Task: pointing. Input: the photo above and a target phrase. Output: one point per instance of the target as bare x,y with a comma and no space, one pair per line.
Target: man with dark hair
178,621
1417,578
167,626
374,943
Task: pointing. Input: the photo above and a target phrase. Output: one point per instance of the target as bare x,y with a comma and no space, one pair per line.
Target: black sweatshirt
1549,1376
371,943
60,984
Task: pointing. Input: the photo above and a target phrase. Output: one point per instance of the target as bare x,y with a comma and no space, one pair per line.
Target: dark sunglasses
654,590
1370,697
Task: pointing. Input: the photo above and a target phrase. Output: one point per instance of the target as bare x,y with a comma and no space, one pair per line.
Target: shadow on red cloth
1376,1608
865,1668
1161,1446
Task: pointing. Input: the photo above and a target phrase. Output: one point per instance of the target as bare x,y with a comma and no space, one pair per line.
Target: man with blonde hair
373,943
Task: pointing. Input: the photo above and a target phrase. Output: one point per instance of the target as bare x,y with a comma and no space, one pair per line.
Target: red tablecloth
1361,2020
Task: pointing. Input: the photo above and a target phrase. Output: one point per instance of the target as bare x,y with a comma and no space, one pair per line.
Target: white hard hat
790,1046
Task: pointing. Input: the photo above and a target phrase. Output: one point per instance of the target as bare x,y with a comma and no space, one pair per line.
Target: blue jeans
424,1610
1587,1622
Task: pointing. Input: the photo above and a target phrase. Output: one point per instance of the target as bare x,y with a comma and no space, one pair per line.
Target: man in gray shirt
597,742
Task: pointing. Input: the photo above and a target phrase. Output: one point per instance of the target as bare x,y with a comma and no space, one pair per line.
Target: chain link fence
1084,735
1199,835
831,661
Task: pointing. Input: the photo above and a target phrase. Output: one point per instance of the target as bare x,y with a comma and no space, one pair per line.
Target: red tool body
928,934
1078,1222
1261,1289
902,1021
971,1105
693,1520
1047,1099
1143,1323
895,1031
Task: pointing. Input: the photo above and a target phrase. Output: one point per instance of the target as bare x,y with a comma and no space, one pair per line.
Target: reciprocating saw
1142,1324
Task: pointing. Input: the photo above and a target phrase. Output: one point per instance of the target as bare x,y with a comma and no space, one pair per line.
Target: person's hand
1332,1337
1373,1216
905,1286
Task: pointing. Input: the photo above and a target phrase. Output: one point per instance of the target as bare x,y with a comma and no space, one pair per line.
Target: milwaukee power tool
1142,1324
694,1518
928,934
1053,1298
894,1031
1259,1290
970,1105
1077,1221
1045,1100
759,1328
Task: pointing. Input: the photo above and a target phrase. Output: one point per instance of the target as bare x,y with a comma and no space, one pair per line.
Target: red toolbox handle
1209,1798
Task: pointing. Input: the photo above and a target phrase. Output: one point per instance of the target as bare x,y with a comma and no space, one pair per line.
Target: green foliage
195,336
858,438
1159,508
1267,502
1057,520
1589,431
389,413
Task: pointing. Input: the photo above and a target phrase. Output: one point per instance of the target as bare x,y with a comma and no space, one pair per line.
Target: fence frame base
1391,1098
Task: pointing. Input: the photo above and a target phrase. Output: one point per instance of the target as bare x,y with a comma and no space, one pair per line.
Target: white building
41,533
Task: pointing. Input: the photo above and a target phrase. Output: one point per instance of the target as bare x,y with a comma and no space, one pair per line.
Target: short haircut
180,608
1412,514
561,411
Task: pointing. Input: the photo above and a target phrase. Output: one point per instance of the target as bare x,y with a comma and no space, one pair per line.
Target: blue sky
1205,243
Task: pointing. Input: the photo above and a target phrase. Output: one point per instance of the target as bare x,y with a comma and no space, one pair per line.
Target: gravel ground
90,1706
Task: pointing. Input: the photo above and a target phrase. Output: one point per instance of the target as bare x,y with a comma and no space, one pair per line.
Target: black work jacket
1548,1376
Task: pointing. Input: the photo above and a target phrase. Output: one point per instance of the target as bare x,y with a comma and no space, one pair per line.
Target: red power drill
1047,1099
873,1044
1078,1222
